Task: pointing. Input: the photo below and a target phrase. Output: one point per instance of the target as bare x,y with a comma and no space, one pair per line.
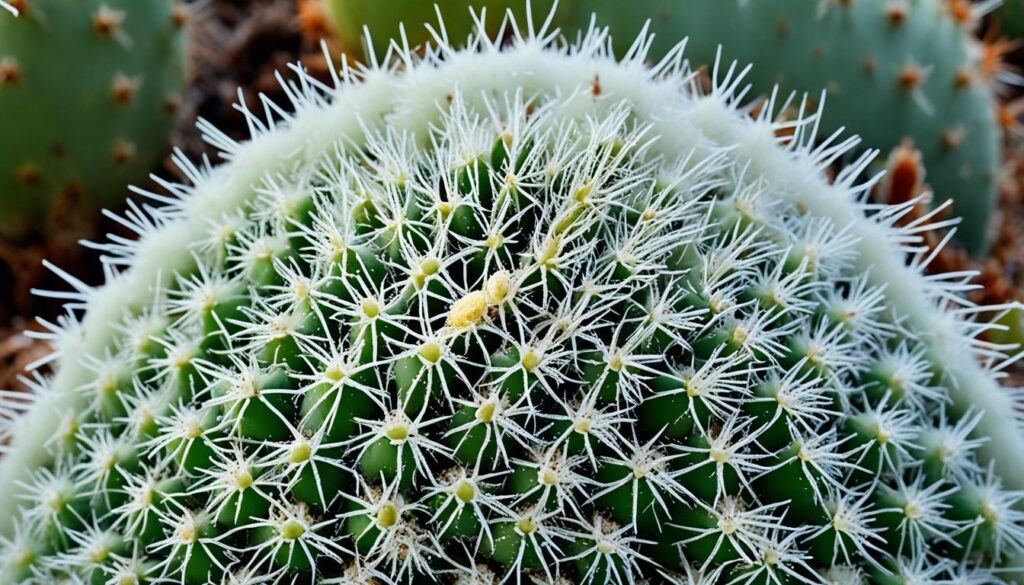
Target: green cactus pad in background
908,69
384,20
1013,322
517,313
1010,18
893,70
88,92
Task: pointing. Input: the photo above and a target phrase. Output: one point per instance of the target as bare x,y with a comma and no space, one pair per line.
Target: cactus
384,19
893,70
1012,326
1010,17
88,89
521,312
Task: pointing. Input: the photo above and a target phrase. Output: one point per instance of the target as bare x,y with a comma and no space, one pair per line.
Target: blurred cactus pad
384,20
520,312
88,94
1010,17
892,70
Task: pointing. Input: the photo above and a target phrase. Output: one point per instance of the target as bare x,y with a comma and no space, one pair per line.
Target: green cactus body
88,92
892,70
516,313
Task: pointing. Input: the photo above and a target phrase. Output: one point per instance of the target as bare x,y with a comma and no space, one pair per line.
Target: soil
237,49
243,44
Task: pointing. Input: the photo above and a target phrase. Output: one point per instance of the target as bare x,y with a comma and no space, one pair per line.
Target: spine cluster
896,72
516,313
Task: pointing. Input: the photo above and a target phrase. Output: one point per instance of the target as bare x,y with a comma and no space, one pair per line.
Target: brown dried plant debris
17,351
239,44
1000,277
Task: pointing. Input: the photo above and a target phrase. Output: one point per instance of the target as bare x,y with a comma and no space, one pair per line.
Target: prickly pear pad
89,91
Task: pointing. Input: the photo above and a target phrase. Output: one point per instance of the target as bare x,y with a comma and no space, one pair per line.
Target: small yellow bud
22,558
387,515
582,426
430,266
615,362
841,523
485,413
292,530
145,498
189,532
430,351
526,524
300,453
191,428
740,335
426,268
497,287
530,360
243,479
334,373
882,435
370,308
246,387
55,501
990,513
69,428
547,476
337,244
398,433
108,384
465,492
912,511
468,310
182,358
692,389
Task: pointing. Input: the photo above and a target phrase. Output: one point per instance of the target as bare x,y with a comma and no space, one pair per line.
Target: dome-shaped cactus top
516,314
